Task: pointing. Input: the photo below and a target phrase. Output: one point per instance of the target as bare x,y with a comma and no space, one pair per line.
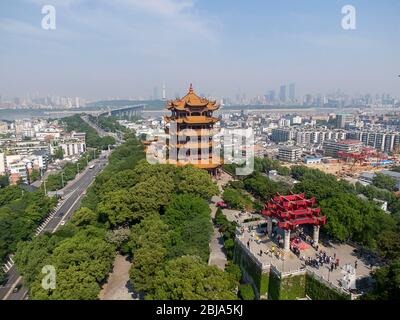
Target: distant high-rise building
292,92
164,92
77,105
271,96
308,99
155,93
342,120
282,93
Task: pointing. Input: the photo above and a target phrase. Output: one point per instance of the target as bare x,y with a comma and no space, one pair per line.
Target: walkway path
217,253
118,286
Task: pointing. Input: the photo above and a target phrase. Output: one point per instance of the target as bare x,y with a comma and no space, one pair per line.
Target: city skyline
126,54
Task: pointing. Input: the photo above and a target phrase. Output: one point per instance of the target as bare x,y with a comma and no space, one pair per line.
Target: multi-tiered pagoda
191,130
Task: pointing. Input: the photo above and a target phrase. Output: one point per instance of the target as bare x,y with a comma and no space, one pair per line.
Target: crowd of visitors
321,259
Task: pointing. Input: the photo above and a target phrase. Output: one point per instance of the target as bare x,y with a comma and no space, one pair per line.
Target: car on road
62,223
17,287
91,167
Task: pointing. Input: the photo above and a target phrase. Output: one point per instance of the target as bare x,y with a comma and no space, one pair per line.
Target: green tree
197,182
58,153
34,175
118,236
72,284
3,276
148,243
389,244
151,196
88,251
188,278
4,182
32,256
383,181
235,199
84,216
246,292
189,219
263,187
387,283
116,209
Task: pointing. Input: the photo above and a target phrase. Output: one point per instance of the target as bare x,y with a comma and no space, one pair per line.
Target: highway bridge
129,111
126,111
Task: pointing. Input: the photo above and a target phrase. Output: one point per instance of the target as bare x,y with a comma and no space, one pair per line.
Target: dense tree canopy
384,182
81,263
84,216
148,242
188,278
262,187
387,283
190,223
3,276
156,212
107,123
4,182
236,199
349,217
93,140
20,213
195,181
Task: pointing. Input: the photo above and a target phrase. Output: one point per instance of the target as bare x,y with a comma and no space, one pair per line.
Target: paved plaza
256,241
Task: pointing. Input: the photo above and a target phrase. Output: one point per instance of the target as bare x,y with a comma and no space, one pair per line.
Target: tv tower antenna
164,92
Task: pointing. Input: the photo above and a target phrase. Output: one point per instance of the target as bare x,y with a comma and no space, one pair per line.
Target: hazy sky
103,48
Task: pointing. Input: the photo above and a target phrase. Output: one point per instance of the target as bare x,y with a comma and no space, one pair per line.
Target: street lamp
77,167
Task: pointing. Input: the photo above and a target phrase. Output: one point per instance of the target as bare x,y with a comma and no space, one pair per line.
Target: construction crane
361,157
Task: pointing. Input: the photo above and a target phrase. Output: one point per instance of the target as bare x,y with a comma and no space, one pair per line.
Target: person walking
355,264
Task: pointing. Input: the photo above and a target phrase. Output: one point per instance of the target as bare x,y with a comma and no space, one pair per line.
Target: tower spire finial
191,88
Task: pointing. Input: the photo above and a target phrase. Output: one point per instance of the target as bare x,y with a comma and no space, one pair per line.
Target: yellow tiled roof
192,100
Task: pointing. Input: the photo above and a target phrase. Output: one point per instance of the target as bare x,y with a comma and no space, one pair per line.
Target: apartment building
332,147
289,153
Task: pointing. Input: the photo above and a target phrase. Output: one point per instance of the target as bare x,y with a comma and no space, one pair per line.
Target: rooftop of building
191,99
370,175
349,141
289,148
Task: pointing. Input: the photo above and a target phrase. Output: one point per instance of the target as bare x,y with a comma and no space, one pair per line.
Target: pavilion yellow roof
192,119
192,100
